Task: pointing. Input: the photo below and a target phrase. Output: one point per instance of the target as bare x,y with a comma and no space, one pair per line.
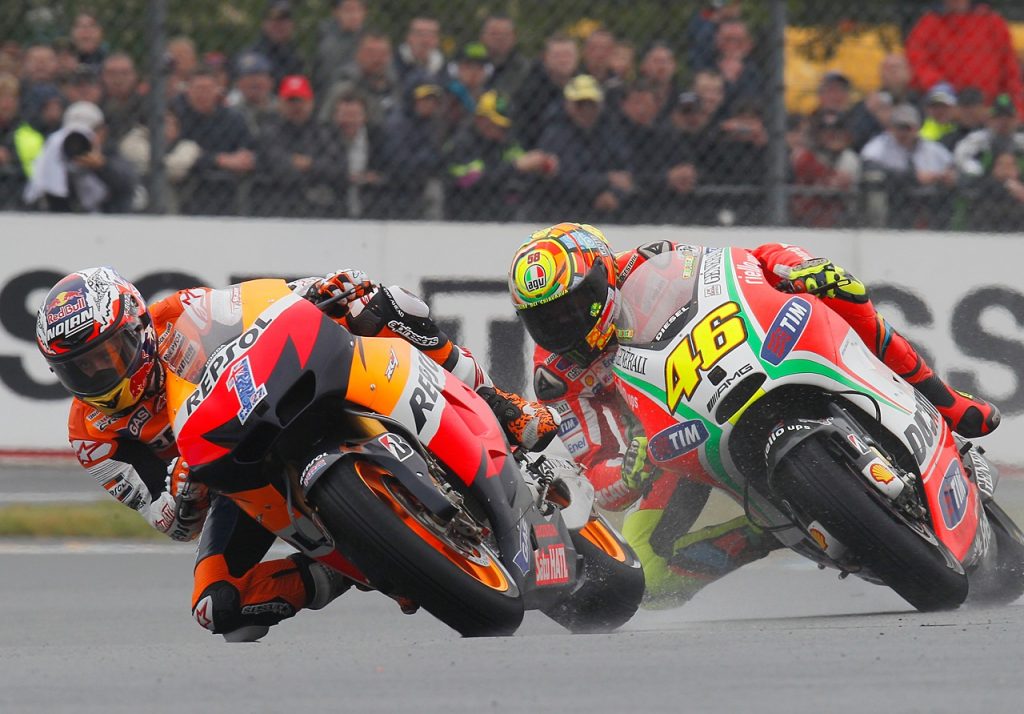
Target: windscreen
210,318
656,293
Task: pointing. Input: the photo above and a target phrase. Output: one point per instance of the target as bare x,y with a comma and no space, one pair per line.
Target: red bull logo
64,304
63,298
139,380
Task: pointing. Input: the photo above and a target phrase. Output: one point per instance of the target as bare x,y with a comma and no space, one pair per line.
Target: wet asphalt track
106,629
110,632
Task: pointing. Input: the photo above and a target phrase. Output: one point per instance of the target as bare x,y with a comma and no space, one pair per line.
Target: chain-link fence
899,113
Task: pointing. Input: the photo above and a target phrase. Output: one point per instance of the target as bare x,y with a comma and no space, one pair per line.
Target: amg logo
726,383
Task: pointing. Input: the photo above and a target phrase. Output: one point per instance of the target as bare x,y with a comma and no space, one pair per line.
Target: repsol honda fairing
365,454
773,398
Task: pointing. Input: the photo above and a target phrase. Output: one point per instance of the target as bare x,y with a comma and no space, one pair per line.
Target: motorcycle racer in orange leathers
564,283
109,350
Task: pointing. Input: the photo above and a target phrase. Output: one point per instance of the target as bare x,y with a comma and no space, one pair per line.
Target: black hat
836,77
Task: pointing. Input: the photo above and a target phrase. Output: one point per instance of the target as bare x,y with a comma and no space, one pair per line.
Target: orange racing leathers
130,453
597,427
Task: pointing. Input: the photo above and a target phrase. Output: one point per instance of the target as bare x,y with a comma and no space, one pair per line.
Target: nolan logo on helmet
75,318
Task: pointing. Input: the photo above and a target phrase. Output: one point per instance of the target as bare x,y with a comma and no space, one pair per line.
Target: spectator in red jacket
965,45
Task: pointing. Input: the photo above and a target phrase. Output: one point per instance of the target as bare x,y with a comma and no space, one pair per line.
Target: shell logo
881,474
819,538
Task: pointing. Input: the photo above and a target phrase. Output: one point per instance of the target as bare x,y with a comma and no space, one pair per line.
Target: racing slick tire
612,584
823,486
1003,583
383,529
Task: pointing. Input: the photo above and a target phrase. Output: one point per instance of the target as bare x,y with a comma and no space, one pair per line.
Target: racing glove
821,277
637,472
530,425
181,510
350,283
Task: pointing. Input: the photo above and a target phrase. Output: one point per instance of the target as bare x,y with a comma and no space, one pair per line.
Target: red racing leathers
597,426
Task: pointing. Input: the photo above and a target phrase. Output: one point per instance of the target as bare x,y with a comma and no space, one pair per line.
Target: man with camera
73,174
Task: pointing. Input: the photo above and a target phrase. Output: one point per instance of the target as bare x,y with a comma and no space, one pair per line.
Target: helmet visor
560,325
102,367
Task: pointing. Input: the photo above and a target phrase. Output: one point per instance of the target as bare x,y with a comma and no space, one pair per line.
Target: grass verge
74,520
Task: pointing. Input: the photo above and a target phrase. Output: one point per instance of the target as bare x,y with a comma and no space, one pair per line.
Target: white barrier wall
961,298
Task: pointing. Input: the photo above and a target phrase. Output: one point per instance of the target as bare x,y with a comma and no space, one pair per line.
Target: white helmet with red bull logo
94,331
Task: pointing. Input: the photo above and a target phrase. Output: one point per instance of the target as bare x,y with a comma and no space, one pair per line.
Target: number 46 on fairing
716,335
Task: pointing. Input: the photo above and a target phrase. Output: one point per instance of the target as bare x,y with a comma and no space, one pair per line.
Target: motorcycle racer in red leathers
110,351
564,284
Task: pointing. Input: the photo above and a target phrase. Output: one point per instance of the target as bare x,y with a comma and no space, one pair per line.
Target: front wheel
823,487
403,550
612,584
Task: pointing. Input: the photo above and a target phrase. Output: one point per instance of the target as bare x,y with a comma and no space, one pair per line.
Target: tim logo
243,384
953,495
786,330
678,439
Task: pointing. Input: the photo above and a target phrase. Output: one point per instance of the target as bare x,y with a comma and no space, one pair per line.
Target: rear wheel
613,582
909,559
454,574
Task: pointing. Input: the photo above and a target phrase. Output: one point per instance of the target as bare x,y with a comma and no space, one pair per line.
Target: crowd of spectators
368,127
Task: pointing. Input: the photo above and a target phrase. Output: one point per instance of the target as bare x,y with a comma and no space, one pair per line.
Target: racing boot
716,551
406,604
323,583
967,415
530,425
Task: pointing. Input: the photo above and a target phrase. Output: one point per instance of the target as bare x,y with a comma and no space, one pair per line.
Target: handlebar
339,296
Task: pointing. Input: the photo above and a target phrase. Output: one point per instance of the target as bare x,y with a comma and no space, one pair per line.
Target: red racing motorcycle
773,398
366,455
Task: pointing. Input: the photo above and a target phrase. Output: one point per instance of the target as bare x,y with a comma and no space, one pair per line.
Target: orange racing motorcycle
366,455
